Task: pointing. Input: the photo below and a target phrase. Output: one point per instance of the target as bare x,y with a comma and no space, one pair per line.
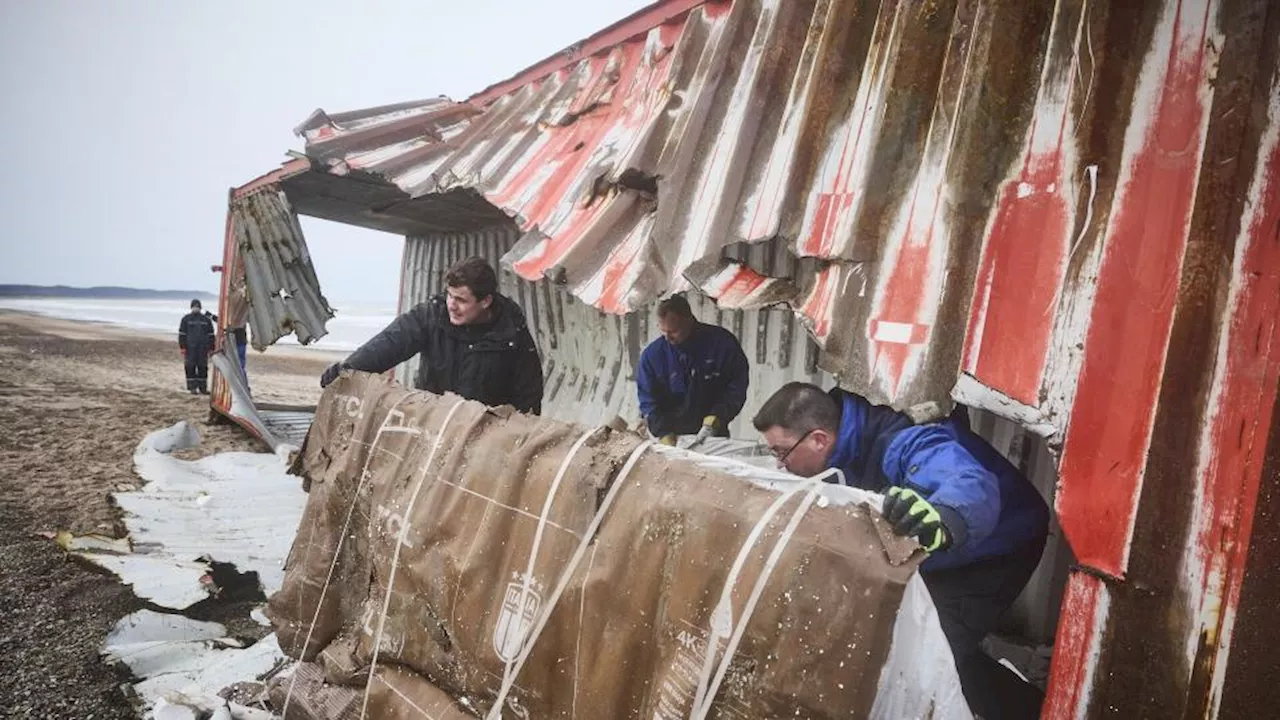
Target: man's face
464,308
675,328
803,454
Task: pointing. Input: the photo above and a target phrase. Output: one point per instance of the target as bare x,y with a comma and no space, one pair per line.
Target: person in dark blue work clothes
981,520
693,379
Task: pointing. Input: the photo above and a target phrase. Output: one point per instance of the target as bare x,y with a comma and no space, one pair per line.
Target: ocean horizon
353,325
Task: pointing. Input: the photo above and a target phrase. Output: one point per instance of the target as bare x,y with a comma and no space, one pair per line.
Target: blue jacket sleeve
931,460
737,372
647,378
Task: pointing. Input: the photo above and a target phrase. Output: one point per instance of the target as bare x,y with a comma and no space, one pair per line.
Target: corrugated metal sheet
281,289
805,126
1062,212
288,426
279,428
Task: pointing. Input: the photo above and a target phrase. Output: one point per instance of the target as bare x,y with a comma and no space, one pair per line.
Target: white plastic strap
722,624
395,554
526,583
513,668
756,591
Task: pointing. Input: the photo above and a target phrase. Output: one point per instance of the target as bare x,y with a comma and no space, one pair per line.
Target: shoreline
75,329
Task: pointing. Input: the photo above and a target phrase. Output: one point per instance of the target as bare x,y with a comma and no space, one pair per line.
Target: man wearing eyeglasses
980,519
693,379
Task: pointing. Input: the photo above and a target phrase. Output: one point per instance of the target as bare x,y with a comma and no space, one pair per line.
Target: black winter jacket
196,333
496,363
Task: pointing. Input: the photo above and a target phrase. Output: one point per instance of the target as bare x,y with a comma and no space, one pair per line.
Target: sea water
352,326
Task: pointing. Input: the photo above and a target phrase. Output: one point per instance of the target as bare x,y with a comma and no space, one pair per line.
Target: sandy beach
75,400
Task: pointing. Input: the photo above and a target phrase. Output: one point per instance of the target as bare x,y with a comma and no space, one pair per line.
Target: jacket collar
861,423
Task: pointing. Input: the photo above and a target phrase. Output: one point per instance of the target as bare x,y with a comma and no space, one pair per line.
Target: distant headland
114,293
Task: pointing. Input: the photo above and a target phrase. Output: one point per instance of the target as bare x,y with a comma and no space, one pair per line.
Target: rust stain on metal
1197,482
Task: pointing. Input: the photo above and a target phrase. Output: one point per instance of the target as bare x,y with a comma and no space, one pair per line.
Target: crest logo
516,618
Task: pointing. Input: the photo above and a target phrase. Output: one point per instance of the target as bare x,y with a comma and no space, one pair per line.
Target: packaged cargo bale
539,569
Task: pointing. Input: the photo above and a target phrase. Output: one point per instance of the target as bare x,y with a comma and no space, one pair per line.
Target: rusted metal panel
269,287
1019,282
1165,492
1043,209
1137,286
1233,443
1086,609
1249,688
633,169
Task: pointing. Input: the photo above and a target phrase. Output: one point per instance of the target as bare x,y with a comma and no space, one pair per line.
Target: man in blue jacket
693,379
982,522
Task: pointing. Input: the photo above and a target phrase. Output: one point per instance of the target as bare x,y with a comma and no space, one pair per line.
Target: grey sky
126,121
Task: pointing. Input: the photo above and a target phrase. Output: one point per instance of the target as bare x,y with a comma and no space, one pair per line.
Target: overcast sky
125,122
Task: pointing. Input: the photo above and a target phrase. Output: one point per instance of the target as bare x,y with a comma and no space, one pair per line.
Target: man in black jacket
472,341
196,341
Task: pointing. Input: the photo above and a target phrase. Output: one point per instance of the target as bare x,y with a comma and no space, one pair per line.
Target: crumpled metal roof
898,149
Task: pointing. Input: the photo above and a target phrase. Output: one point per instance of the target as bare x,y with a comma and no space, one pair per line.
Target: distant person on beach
196,340
470,340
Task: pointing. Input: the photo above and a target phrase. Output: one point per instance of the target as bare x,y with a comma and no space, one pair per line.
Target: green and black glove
912,516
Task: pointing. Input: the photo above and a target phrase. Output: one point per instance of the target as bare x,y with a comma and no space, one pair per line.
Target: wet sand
75,400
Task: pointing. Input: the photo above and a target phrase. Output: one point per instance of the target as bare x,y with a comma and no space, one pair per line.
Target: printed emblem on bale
520,607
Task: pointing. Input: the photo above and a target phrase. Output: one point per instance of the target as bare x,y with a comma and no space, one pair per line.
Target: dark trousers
197,362
240,353
970,601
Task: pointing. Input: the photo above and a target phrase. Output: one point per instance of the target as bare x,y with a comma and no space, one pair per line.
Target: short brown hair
675,305
475,274
799,407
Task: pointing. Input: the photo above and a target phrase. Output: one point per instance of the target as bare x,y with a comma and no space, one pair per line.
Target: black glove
913,516
331,373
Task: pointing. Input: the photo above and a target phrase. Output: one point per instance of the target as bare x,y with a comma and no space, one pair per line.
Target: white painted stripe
892,332
1102,610
972,392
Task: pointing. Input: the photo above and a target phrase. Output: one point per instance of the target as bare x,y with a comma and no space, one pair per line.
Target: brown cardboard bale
336,447
493,510
304,695
342,662
399,694
527,565
629,638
